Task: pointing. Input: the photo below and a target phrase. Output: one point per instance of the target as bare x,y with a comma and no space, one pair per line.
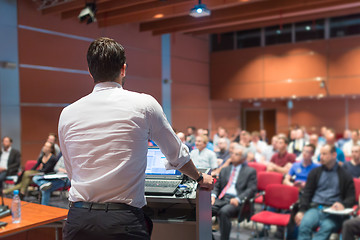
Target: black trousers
85,224
351,228
225,212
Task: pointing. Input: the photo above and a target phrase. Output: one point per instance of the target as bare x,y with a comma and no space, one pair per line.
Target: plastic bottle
16,207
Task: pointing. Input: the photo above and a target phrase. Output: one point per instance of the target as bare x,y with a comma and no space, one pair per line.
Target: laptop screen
156,163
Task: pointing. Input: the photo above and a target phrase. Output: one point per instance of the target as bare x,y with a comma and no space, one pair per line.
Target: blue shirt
300,171
328,188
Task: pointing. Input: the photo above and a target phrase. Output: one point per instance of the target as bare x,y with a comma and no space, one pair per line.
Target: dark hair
332,147
105,59
52,148
10,139
312,146
54,135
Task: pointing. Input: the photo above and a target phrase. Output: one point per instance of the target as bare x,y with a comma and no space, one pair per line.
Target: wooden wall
287,70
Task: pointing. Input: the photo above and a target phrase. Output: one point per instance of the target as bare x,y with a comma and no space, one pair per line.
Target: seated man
326,186
347,147
300,170
47,186
9,160
351,228
201,156
353,166
281,161
235,182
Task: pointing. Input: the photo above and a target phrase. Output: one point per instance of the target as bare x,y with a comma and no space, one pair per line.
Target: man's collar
106,85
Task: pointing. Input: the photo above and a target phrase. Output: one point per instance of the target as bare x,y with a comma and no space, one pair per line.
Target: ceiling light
200,10
88,13
159,15
307,28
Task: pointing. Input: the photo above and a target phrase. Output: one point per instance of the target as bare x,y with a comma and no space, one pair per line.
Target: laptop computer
158,180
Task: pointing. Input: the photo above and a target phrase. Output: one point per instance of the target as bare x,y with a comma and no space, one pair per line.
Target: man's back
104,137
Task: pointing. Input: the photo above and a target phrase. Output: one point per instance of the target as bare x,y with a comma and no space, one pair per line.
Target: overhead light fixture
200,10
88,13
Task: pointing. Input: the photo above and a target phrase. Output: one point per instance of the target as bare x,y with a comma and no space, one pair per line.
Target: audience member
181,136
282,160
326,186
299,171
245,142
190,135
270,150
201,156
330,139
10,160
263,136
223,154
322,137
353,166
298,144
313,139
354,140
52,138
221,133
346,137
47,186
205,132
234,184
258,145
45,164
351,228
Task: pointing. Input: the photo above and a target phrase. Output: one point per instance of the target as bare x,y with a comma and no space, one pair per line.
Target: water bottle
16,207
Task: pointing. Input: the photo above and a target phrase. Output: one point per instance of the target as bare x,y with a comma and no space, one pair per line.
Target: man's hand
298,217
234,202
338,206
212,200
207,183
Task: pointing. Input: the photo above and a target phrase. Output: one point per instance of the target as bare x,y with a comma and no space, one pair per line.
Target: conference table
32,215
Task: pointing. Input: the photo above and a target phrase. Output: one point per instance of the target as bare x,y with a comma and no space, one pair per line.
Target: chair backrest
357,188
280,196
266,178
29,164
259,167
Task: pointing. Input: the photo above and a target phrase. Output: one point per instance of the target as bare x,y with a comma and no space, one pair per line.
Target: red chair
11,180
281,197
259,167
264,179
357,193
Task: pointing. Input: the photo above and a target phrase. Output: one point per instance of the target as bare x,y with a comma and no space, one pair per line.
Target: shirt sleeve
292,170
213,161
176,153
63,147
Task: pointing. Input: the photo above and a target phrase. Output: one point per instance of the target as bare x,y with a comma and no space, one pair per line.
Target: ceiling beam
270,21
278,10
180,9
66,6
141,8
104,7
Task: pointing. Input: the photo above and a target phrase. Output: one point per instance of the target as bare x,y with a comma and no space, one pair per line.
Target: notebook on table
158,180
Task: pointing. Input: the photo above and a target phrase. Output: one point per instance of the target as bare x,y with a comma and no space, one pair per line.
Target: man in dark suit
10,159
235,182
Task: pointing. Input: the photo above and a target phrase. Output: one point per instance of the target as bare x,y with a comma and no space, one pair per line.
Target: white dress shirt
4,158
103,138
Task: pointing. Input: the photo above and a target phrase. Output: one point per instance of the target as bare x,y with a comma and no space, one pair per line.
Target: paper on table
346,211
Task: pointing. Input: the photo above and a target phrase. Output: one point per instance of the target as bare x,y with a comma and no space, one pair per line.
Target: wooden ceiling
226,15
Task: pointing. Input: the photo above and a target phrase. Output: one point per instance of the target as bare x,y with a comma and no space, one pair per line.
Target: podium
179,218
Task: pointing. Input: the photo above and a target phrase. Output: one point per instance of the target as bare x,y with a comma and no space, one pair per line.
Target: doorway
256,119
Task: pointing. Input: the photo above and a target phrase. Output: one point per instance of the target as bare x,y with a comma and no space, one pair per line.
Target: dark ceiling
226,15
